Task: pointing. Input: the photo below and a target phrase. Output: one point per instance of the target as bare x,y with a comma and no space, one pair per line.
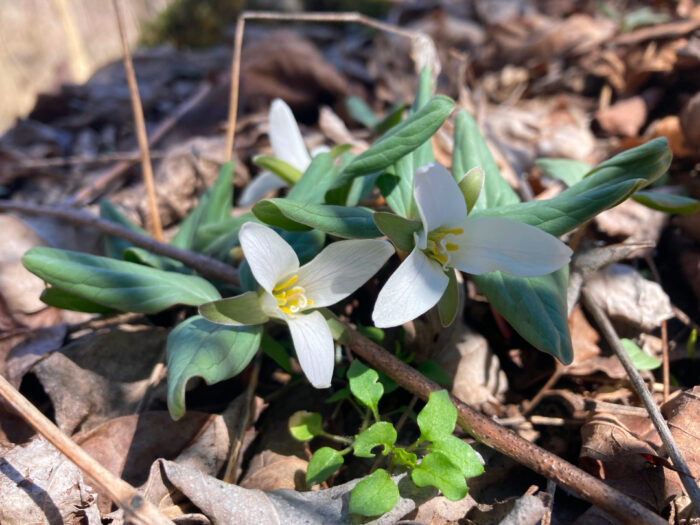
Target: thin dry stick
640,387
558,371
297,17
485,430
59,162
136,509
90,193
248,409
206,266
140,125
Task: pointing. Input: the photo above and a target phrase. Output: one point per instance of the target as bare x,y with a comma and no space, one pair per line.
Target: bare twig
556,375
640,387
297,17
140,125
206,266
59,162
137,509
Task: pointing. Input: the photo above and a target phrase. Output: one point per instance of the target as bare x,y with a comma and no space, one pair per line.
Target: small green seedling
437,458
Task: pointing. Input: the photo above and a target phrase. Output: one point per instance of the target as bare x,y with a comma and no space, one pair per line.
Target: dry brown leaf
540,38
20,288
587,358
271,471
286,65
477,377
627,296
181,177
625,117
100,376
441,511
633,221
128,445
683,415
38,343
174,486
39,485
613,449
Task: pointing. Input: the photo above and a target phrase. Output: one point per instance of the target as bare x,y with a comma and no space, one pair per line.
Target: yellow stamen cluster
439,245
291,299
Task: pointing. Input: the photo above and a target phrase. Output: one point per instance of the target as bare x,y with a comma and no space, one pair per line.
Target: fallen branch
482,428
206,266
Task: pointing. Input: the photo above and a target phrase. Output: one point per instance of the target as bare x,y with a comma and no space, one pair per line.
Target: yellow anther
438,246
291,299
286,283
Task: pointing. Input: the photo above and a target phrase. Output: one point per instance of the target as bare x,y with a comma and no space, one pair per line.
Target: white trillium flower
292,293
449,239
287,145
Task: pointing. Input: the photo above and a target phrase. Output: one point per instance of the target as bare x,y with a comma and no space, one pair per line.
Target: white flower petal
285,137
259,187
341,268
269,256
414,288
497,243
313,343
438,197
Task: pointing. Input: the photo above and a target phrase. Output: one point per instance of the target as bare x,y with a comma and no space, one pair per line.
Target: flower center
441,243
291,299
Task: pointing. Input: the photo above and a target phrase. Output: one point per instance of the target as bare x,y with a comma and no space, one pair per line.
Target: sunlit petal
438,197
285,137
496,243
341,268
414,288
260,186
269,256
313,343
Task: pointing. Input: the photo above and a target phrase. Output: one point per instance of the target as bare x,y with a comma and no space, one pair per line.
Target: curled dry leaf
627,296
40,485
477,377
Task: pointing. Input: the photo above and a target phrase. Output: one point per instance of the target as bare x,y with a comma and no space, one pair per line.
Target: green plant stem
336,438
481,427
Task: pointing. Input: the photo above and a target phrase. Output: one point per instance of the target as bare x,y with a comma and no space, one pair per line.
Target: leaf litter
567,82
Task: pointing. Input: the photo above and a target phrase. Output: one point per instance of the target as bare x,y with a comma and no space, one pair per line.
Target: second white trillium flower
292,293
449,239
287,145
